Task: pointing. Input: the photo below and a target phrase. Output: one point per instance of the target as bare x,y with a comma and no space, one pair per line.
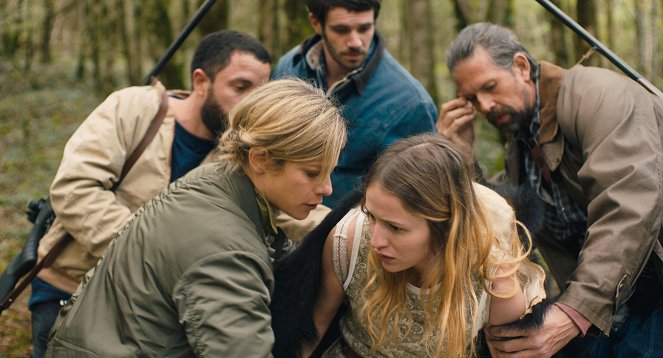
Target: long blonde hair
291,119
433,180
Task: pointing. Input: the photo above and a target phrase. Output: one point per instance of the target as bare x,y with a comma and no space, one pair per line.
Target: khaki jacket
92,162
190,275
602,134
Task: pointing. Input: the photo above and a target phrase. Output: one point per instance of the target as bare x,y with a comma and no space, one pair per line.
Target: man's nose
354,40
485,103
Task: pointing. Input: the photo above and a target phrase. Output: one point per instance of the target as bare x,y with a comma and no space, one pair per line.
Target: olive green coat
190,275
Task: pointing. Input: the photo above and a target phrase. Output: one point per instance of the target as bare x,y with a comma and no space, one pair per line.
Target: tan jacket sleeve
92,163
614,123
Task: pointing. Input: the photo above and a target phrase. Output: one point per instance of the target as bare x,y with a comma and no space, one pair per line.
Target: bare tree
557,43
47,28
587,18
643,37
216,18
469,11
501,12
297,26
417,17
655,28
268,26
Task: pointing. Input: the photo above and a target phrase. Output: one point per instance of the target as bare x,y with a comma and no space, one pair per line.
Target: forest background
60,58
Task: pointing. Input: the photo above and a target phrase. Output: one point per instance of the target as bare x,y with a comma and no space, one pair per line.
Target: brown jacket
92,161
602,134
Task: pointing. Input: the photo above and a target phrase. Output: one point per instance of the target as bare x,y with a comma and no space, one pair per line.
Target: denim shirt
380,101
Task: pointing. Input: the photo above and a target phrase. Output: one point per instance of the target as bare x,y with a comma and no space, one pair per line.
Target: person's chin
301,214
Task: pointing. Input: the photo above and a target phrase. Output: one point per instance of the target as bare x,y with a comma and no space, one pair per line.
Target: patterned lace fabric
353,274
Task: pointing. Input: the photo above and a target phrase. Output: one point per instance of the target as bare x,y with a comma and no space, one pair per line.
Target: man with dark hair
225,67
589,142
380,100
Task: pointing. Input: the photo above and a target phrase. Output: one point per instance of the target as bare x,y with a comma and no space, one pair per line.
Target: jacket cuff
580,321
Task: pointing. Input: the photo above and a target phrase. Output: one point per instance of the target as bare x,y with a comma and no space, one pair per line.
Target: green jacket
190,274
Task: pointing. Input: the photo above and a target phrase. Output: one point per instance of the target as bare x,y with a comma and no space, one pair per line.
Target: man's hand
556,332
456,122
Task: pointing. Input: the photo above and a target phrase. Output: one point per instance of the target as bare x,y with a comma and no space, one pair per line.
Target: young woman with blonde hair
191,273
426,261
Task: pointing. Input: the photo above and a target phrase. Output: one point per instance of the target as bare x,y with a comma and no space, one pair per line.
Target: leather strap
147,139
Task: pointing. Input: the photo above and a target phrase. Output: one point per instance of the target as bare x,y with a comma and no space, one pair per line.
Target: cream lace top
352,272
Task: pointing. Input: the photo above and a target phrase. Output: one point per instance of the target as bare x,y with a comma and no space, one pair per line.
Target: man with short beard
589,142
225,67
380,100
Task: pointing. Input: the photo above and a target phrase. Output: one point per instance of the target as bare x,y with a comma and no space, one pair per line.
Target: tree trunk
126,26
469,11
92,37
557,40
160,30
500,12
82,12
11,30
268,27
47,28
297,24
25,21
587,18
418,16
644,38
655,28
216,17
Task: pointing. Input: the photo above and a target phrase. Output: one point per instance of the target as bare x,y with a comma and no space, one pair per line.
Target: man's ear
200,82
317,25
258,160
521,66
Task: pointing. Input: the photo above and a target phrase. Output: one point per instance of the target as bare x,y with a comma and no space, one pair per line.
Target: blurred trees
114,43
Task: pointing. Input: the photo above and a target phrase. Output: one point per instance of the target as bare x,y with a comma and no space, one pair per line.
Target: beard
340,60
213,115
518,120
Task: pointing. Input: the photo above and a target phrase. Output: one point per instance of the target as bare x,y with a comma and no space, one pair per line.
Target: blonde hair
291,119
434,181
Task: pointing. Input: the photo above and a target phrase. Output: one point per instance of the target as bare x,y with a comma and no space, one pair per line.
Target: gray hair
500,44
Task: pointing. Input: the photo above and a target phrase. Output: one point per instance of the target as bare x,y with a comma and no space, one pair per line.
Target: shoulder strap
147,139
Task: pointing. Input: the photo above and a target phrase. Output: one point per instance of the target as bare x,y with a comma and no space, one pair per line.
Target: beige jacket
92,162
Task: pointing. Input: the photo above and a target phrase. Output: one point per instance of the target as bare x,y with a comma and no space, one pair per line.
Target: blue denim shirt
380,101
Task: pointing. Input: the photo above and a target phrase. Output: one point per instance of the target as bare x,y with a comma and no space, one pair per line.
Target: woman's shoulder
495,206
346,241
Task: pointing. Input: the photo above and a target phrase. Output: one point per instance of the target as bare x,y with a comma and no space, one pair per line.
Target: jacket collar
245,196
549,85
550,137
358,77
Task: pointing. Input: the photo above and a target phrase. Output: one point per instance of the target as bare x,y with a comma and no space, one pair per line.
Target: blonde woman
191,273
426,261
